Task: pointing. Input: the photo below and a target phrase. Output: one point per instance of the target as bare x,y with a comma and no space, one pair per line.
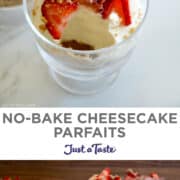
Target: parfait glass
83,72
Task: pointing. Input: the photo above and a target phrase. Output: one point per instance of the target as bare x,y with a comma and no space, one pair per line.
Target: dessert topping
58,12
127,13
106,175
57,15
154,176
132,173
121,7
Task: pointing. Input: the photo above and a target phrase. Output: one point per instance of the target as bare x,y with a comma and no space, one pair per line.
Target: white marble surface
151,78
9,24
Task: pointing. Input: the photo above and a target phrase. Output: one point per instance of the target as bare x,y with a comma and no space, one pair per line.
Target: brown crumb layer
76,45
9,2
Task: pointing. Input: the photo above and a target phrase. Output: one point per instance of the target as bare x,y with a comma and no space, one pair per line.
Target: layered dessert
6,3
130,175
87,24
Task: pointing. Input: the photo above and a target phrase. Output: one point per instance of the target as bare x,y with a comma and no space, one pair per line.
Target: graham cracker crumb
43,19
132,30
42,27
34,12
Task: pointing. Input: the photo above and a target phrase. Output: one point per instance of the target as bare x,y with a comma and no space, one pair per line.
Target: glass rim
82,52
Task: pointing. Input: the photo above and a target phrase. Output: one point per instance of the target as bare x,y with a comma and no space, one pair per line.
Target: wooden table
68,170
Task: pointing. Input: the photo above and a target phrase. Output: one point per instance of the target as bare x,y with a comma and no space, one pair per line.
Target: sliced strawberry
6,178
108,8
154,176
108,177
106,172
118,7
127,13
117,178
57,14
105,175
10,178
132,173
121,7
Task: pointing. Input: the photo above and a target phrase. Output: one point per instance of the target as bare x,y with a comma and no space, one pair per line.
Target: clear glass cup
12,21
83,72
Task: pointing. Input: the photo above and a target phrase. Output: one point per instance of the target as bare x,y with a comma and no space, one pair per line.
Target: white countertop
151,78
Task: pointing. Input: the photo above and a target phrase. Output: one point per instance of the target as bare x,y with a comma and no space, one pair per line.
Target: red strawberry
57,15
111,5
117,178
118,7
132,173
108,7
6,178
10,178
106,172
105,175
154,176
121,7
108,177
126,10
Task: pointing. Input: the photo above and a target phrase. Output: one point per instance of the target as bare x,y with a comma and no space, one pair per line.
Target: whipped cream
87,26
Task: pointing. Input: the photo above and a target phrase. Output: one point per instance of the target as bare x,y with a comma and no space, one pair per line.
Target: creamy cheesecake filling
88,27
